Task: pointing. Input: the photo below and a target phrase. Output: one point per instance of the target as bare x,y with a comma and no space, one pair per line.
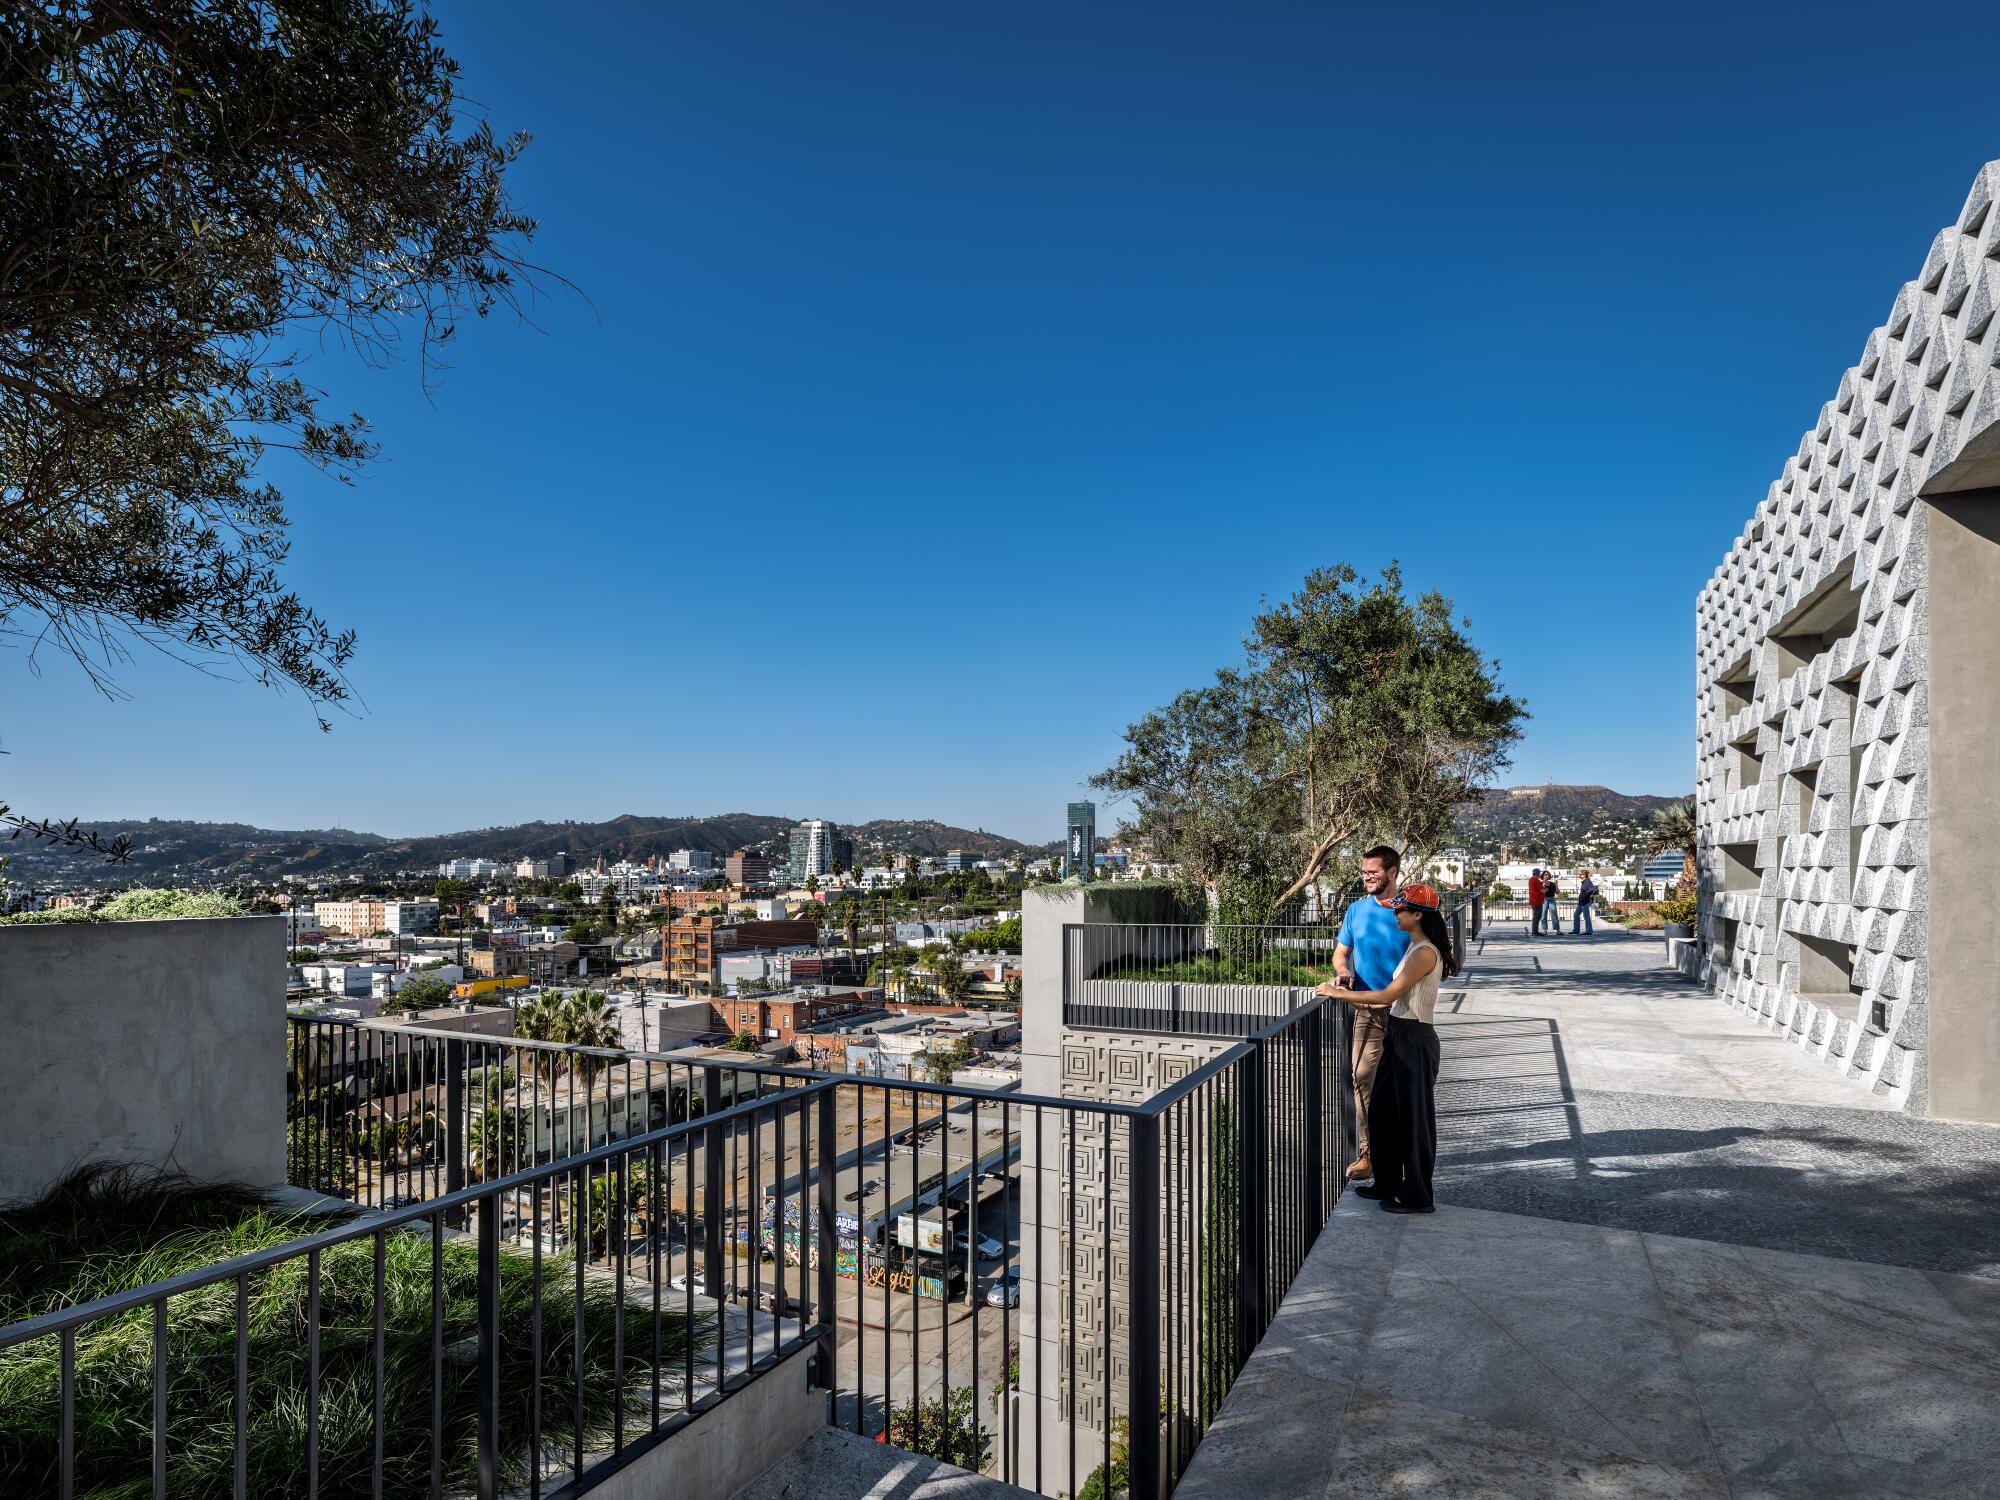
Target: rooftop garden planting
134,906
111,1230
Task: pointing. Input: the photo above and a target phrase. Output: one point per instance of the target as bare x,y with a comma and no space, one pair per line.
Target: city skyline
1043,400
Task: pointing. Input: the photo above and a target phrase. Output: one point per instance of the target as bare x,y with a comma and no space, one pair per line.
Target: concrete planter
1674,930
160,1043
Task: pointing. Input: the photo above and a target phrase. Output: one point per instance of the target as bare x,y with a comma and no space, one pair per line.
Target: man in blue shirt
1370,945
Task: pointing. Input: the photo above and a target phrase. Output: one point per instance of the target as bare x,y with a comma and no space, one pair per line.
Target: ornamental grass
107,1230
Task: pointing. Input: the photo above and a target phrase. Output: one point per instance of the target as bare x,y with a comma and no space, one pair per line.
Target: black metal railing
432,1347
1208,979
604,1245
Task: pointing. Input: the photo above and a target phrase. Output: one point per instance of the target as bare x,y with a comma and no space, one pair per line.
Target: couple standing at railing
1392,953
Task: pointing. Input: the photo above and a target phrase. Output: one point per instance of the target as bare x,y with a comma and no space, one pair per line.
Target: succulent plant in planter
1679,914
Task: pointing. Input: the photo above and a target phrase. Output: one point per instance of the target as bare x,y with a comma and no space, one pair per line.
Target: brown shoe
1361,1171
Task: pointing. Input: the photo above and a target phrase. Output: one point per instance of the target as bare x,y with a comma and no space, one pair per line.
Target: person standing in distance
1370,945
1534,902
1403,1110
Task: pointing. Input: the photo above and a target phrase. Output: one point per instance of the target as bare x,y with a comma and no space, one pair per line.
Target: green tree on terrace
1359,714
199,191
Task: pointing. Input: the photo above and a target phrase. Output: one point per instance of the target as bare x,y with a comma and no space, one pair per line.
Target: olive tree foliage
199,194
1360,715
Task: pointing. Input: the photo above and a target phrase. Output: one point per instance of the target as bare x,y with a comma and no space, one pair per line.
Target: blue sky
954,380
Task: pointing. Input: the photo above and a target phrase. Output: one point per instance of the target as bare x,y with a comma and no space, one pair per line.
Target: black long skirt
1402,1113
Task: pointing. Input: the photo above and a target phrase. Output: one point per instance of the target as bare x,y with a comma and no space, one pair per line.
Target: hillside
1561,822
166,851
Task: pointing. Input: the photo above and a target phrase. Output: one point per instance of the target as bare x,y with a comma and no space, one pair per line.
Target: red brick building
781,1017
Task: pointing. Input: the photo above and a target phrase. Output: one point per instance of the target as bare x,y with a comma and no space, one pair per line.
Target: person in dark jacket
1586,897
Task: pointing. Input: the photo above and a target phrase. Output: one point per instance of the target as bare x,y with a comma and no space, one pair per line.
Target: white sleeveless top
1421,1002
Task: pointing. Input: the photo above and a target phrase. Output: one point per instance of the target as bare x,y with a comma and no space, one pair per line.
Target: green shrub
137,906
1681,909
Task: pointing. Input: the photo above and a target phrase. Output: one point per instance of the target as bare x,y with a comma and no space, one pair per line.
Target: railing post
711,1189
1255,1136
826,1246
1315,1039
1142,1322
489,1349
455,1121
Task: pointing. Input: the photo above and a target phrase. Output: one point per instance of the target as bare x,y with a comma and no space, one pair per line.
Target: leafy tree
426,992
199,190
1002,937
302,956
608,904
948,973
1360,714
580,932
741,1042
1011,988
569,893
943,1063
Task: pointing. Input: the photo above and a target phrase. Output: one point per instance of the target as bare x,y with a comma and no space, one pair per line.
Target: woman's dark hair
1431,923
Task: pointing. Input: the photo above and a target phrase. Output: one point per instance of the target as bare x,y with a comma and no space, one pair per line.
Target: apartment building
356,918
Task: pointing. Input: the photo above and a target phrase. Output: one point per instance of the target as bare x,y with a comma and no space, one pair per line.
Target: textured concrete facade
159,1043
1847,767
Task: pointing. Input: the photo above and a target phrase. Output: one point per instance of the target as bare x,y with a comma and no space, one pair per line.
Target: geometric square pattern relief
1812,708
1093,1166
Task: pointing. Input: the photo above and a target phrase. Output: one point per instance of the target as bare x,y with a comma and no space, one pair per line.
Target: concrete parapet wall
731,1444
161,1043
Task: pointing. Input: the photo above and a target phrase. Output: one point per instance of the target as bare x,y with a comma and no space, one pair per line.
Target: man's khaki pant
1369,1027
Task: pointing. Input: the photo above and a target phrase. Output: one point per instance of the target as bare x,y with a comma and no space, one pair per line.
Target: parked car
1006,1289
989,1248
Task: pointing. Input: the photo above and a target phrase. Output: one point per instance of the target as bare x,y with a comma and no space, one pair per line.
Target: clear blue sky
954,380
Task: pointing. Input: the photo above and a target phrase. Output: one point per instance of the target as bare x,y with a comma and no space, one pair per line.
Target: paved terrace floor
1673,1256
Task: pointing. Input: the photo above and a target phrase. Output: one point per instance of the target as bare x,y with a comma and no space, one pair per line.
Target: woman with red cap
1402,1114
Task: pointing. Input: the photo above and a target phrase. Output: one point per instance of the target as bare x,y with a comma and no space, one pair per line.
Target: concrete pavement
1672,1257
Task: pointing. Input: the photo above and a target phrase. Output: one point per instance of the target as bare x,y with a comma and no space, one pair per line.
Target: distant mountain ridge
1546,821
190,851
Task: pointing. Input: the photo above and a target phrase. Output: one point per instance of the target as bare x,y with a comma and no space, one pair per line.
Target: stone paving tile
1405,1448
1854,1184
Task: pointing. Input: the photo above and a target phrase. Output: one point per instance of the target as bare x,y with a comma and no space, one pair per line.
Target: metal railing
1208,979
607,1244
426,1348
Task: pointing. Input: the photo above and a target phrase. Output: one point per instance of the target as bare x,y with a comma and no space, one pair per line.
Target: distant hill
168,851
1554,822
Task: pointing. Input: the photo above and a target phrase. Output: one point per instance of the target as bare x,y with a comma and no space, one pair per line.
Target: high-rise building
747,867
817,846
691,860
1080,848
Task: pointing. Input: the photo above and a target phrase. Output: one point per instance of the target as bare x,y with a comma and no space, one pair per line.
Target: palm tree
542,1019
948,973
587,1022
1675,829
